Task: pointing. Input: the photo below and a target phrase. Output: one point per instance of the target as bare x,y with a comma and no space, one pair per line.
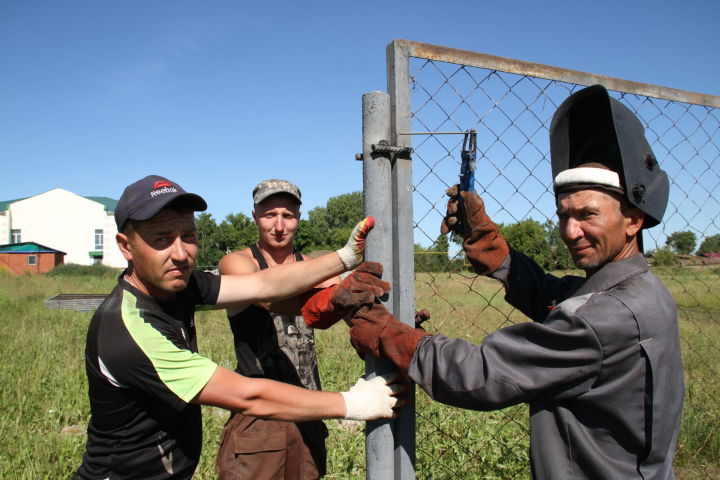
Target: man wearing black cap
600,364
146,378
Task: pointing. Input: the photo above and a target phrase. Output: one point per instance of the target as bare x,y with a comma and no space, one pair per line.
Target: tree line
323,228
328,227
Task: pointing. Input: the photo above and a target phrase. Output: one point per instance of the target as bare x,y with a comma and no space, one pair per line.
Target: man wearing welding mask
600,364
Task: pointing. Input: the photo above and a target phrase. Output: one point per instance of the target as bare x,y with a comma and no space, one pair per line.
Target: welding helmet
593,137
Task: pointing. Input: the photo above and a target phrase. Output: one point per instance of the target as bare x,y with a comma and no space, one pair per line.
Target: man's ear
253,217
124,245
635,218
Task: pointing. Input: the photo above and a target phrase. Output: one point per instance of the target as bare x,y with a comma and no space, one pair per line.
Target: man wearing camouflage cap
600,364
275,341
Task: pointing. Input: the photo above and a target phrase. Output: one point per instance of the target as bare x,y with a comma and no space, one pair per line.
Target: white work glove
353,253
371,399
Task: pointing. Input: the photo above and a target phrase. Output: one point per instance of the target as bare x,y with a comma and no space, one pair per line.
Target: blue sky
218,95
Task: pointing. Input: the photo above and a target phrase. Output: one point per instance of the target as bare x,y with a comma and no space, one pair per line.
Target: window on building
98,239
15,236
32,259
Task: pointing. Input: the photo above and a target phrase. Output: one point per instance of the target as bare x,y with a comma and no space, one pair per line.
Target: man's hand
484,246
323,308
377,332
371,399
353,253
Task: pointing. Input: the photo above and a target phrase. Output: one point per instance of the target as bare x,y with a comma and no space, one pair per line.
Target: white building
83,227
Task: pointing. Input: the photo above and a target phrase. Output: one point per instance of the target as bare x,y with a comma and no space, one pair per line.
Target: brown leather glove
377,332
420,317
322,308
484,246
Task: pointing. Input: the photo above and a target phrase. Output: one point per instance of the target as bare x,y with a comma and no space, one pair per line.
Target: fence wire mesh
511,114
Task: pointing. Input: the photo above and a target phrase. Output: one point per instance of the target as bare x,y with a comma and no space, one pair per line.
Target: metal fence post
377,195
398,65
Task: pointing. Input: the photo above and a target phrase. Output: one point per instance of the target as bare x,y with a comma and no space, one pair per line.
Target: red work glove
484,246
377,332
322,308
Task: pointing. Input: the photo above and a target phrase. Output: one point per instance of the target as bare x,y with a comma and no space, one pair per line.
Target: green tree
345,210
682,243
710,245
206,231
235,232
328,227
529,237
562,257
434,258
541,242
664,257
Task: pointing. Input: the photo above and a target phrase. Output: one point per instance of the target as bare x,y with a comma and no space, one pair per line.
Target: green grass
45,408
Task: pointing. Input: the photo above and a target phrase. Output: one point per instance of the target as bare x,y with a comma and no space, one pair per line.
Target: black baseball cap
146,197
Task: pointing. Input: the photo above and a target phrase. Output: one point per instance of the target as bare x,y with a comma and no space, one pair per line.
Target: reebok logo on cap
161,186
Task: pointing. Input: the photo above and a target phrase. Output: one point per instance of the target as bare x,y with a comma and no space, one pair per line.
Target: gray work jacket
599,366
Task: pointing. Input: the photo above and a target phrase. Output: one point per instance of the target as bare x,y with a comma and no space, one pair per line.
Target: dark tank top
275,346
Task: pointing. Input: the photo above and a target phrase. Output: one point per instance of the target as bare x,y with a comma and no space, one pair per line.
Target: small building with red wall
29,257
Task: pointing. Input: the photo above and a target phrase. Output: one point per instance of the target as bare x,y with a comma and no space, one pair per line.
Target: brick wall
17,263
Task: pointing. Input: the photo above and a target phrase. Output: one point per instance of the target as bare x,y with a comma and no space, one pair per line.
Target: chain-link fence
439,93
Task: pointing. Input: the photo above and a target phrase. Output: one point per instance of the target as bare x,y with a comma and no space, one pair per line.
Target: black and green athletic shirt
143,370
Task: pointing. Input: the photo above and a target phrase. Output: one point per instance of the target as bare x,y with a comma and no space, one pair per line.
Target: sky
219,95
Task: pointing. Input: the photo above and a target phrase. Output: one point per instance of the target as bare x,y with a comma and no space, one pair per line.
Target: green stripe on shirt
184,373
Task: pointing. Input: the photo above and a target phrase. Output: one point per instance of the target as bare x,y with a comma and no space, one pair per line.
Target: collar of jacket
613,273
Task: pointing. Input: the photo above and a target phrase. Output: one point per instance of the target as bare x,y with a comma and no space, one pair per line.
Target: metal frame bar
520,67
398,85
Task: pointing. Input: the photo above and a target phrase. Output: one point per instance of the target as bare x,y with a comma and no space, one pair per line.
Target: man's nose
572,230
178,250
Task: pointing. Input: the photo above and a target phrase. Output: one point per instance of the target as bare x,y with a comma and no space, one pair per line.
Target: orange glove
484,246
322,308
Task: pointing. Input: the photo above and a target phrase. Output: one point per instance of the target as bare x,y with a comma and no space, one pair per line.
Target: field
44,390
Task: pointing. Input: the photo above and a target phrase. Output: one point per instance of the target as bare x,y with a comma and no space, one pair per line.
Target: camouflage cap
275,186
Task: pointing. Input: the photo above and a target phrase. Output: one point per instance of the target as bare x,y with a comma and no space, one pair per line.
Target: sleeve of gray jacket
530,289
555,359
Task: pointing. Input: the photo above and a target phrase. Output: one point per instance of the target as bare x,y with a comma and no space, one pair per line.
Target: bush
73,269
663,257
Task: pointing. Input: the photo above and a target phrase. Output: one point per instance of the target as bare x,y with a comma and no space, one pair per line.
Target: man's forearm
264,398
280,282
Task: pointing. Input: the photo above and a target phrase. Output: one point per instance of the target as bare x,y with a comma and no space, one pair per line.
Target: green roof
27,247
5,204
96,253
107,202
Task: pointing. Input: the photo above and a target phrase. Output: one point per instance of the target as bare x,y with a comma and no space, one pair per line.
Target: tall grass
44,390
